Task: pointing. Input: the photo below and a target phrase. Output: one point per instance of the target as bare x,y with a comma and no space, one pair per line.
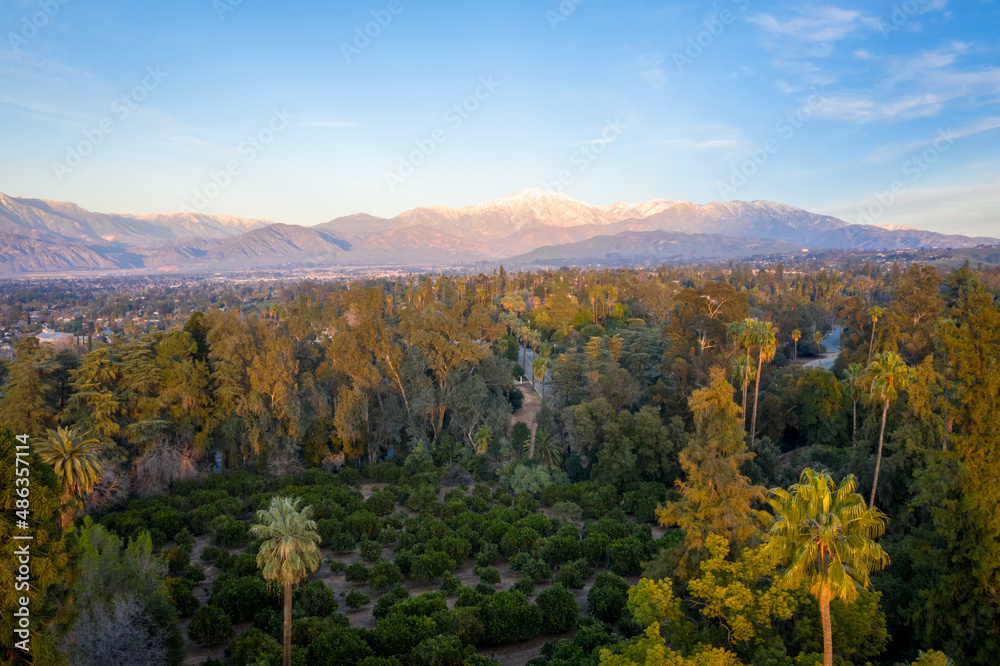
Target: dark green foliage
381,503
229,533
558,608
388,600
177,560
385,574
399,633
242,597
488,575
536,570
574,574
371,550
313,598
363,523
627,555
607,598
339,647
211,553
356,599
181,595
357,573
508,618
431,565
450,584
210,626
251,647
524,584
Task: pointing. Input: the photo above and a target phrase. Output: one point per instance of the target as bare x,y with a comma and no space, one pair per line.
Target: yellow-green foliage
738,594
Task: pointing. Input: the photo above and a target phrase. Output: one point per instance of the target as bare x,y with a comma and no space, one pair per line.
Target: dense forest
668,466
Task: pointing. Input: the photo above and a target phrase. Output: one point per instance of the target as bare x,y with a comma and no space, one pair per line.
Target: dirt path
529,408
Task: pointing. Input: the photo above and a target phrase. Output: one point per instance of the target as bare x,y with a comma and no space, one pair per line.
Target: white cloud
862,54
814,28
893,150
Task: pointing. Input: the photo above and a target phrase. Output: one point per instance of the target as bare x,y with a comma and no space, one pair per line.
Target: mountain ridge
528,227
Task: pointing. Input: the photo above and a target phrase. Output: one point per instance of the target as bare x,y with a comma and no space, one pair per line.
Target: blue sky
884,112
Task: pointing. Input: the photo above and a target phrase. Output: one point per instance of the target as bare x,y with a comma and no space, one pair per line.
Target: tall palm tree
540,367
823,535
742,333
889,375
796,336
74,457
853,376
289,552
765,339
875,313
546,450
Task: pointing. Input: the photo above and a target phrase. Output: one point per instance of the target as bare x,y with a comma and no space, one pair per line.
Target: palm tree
288,553
823,535
539,367
818,337
546,450
481,440
742,333
765,337
889,375
854,374
796,336
874,313
74,457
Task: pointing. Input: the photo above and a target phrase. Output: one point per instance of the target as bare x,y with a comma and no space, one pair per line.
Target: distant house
48,337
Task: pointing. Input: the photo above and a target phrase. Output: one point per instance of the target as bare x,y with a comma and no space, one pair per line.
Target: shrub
341,646
385,574
558,609
450,583
518,561
363,523
519,539
389,600
487,555
567,511
356,599
431,565
536,570
381,503
210,626
627,555
194,573
177,560
251,647
211,553
357,573
559,550
488,575
508,618
229,533
342,542
327,528
371,550
595,548
199,519
457,548
524,585
184,539
574,574
397,634
388,535
181,595
314,599
403,559
441,650
608,597
241,597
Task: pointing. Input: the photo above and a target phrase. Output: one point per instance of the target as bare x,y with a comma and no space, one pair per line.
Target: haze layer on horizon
877,112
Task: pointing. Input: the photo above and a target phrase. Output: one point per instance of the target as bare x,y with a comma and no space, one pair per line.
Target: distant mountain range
533,228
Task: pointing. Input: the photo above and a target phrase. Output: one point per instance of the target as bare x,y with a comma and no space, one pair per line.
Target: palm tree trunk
878,456
871,344
746,384
66,517
756,392
288,625
824,612
854,435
